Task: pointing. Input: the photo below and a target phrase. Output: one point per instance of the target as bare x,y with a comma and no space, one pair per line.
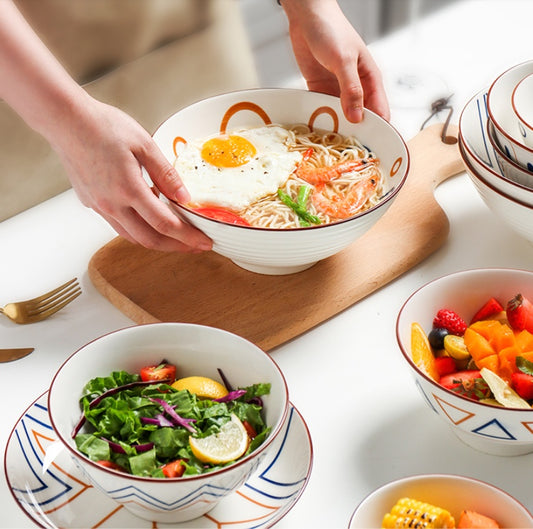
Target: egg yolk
230,151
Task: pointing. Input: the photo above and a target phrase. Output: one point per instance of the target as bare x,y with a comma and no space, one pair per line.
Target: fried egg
236,169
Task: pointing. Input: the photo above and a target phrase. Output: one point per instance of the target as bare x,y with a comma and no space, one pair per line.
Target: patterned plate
50,489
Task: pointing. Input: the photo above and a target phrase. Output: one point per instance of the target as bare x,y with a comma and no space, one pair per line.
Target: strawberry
490,308
450,320
522,383
445,365
520,313
468,383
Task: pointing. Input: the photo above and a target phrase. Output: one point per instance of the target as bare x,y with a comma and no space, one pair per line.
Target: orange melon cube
508,362
502,338
486,328
491,362
477,344
524,340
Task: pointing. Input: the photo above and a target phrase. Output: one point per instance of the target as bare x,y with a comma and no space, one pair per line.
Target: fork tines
56,299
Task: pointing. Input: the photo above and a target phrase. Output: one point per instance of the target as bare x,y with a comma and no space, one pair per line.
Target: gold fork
39,308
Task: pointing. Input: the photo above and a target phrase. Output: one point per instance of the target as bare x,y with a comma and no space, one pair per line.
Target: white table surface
368,423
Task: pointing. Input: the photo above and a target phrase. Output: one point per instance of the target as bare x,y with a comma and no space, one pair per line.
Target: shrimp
342,206
320,175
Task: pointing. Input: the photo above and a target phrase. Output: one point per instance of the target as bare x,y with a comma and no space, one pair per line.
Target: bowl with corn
439,500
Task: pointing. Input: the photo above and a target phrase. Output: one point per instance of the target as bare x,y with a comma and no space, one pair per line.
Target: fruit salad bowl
452,493
275,251
196,351
464,396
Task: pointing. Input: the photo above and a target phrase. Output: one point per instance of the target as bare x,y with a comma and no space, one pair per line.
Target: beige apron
147,57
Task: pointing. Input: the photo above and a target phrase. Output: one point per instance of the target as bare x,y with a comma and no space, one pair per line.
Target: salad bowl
196,351
485,426
451,492
285,251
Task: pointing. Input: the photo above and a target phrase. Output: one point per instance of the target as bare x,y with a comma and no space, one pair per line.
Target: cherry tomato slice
158,372
250,430
110,464
174,469
224,215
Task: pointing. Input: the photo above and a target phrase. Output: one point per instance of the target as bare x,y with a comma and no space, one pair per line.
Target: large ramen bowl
488,428
195,350
447,491
276,251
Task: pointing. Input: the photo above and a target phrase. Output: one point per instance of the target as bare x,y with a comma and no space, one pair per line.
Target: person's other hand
333,58
103,151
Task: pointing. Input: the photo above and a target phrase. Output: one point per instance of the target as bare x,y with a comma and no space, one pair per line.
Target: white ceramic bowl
522,103
478,151
515,213
491,429
511,170
271,251
196,350
501,113
447,491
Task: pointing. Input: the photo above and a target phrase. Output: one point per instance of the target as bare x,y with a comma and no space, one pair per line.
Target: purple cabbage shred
174,417
159,420
232,395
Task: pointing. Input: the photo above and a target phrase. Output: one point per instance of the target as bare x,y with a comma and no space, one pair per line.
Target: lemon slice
455,347
228,444
421,351
503,393
202,387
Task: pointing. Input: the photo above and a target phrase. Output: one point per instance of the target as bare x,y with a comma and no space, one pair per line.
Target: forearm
32,81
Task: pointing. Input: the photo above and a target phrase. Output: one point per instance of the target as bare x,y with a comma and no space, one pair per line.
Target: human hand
102,148
103,151
333,57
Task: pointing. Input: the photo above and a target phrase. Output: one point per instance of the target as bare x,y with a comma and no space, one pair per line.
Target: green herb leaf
526,366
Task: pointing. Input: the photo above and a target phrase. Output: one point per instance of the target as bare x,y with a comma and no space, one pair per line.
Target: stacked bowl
496,145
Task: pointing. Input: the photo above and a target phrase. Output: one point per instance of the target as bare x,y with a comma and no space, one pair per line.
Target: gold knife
7,355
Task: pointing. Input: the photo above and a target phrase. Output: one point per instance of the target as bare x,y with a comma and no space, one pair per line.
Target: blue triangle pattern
30,454
494,424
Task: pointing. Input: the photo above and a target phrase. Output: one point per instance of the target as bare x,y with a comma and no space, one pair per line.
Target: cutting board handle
415,216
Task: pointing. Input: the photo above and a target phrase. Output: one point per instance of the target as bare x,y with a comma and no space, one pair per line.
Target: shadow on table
419,442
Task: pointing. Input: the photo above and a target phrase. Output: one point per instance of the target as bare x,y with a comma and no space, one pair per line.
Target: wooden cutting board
150,286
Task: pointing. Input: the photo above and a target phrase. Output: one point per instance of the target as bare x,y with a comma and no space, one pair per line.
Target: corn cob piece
416,514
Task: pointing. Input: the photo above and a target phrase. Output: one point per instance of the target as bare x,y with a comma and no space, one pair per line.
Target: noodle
329,148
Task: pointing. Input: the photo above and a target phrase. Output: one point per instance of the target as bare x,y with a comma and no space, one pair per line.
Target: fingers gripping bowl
196,351
487,427
272,250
